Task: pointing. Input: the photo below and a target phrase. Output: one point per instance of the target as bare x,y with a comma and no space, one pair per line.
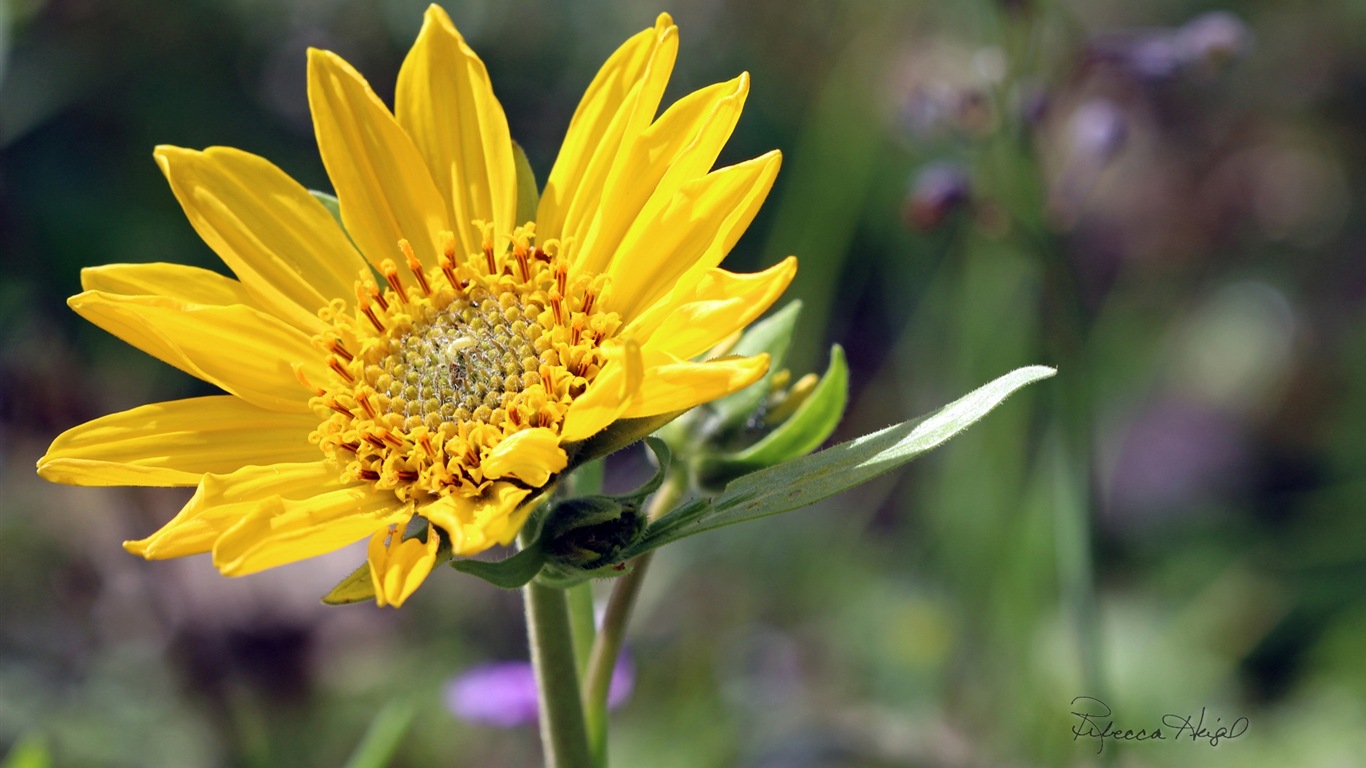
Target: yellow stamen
440,376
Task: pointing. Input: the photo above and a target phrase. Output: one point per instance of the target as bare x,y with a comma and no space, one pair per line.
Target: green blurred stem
383,737
563,736
1067,327
607,646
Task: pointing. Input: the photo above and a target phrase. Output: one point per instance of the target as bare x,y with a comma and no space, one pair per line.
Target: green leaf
331,203
510,573
800,434
773,335
353,589
528,198
809,479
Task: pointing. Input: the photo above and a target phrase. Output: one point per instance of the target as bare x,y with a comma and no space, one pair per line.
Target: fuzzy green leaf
809,479
510,573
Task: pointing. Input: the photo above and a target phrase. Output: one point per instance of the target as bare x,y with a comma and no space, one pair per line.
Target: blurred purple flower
1176,453
1099,130
938,190
503,693
1206,42
1213,39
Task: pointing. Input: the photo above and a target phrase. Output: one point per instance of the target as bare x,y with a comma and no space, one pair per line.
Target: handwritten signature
1093,716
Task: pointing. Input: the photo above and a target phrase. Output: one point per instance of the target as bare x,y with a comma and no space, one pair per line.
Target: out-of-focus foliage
1163,203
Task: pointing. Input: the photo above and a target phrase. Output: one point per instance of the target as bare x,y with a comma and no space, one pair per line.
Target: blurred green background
1163,203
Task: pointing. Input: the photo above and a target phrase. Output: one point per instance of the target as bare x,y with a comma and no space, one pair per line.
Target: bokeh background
1163,199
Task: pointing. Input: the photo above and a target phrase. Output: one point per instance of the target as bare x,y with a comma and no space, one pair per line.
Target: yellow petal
277,238
280,531
618,105
608,395
478,523
532,456
382,182
680,385
690,235
398,567
445,102
176,443
191,285
222,500
679,147
244,351
715,307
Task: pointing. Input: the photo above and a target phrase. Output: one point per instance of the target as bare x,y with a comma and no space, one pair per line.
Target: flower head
413,374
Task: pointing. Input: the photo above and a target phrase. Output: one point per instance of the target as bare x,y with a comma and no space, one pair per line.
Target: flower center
429,377
456,364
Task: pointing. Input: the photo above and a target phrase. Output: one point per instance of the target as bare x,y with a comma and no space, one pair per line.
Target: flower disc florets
429,377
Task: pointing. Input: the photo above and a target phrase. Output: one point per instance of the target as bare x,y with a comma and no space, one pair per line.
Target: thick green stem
607,646
581,623
563,735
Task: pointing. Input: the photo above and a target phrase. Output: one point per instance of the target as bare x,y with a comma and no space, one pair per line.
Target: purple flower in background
1175,455
1213,39
938,190
503,694
1202,45
1099,130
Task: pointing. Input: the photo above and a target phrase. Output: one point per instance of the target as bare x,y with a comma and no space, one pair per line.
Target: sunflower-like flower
426,366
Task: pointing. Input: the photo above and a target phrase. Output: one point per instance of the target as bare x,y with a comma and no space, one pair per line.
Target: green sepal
662,459
586,532
564,577
510,573
331,203
528,194
619,434
811,478
773,335
353,589
801,433
584,537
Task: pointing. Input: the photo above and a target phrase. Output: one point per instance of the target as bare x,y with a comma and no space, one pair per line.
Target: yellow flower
443,383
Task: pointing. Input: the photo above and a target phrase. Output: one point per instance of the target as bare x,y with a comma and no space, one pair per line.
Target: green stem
607,646
581,619
563,736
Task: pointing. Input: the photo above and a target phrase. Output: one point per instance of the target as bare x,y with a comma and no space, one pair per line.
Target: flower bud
589,532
